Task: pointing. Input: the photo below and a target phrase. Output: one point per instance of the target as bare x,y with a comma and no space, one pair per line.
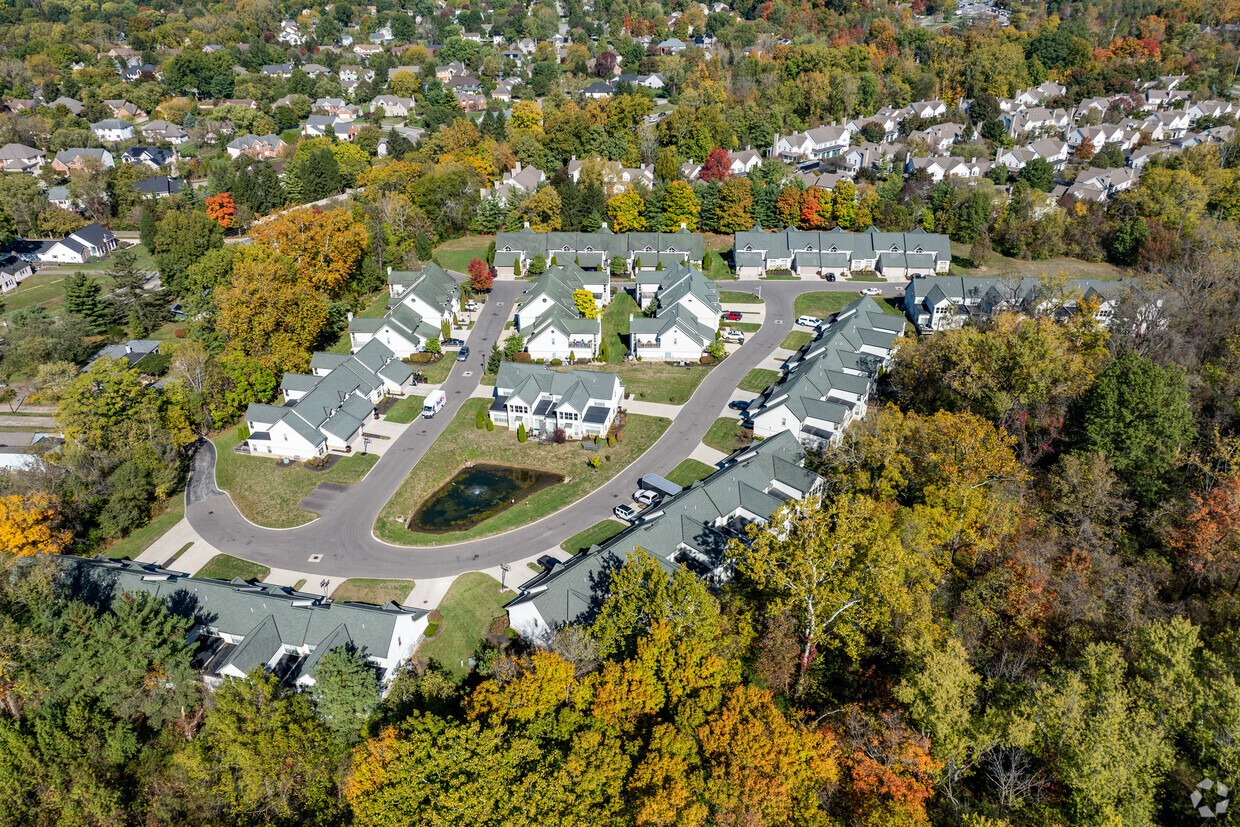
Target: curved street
343,533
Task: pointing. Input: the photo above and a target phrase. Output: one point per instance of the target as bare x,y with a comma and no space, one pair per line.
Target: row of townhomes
945,302
327,410
243,625
418,306
594,251
838,252
691,528
686,317
828,382
549,320
582,402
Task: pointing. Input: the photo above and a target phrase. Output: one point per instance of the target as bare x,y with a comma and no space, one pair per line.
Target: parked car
731,316
452,342
734,336
547,562
871,291
830,276
463,353
738,405
646,497
809,321
625,512
473,306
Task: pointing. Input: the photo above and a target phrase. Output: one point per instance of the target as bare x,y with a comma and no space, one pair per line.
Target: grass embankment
616,325
143,538
462,442
738,297
226,567
724,435
456,253
656,381
472,604
596,534
689,472
267,494
998,266
796,340
758,380
405,410
368,590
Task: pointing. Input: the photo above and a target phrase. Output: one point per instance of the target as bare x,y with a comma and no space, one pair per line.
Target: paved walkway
705,453
172,541
34,423
342,542
639,406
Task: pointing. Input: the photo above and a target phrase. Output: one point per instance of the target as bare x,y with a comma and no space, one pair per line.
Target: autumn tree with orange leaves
1208,542
221,209
325,246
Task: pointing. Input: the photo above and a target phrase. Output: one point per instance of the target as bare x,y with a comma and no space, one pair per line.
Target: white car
646,497
473,306
871,291
733,336
809,321
625,512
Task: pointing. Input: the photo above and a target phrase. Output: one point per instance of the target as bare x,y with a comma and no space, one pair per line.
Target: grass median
796,340
463,442
405,410
268,494
473,603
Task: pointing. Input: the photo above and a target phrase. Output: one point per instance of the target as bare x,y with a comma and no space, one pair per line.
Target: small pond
476,494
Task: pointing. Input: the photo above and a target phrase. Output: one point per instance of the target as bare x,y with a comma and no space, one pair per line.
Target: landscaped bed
473,605
268,494
463,442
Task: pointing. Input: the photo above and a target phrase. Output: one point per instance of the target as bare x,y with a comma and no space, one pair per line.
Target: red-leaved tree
221,209
480,275
718,166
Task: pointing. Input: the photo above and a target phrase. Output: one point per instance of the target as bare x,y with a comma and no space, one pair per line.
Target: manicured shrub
555,363
560,436
594,462
490,424
481,421
180,333
522,436
243,432
525,357
619,435
596,439
611,441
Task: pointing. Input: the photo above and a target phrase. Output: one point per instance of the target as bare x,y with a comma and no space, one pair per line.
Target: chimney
684,226
603,227
128,348
527,225
389,269
517,169
350,315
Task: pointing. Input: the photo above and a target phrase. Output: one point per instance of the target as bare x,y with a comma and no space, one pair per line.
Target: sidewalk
704,453
172,541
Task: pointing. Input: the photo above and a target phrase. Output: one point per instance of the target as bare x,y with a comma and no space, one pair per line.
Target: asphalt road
343,533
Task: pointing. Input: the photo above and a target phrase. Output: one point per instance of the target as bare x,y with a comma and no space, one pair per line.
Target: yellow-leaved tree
27,525
325,246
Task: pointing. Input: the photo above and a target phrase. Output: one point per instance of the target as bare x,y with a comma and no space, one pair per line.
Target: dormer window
919,250
834,249
589,249
507,249
649,249
566,249
809,248
749,248
894,249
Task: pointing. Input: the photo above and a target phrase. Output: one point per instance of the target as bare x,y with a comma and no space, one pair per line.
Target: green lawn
455,253
472,603
718,244
405,410
595,535
616,324
269,495
998,266
744,327
780,277
463,442
865,278
758,380
821,304
436,373
657,381
226,567
724,435
796,340
376,308
140,540
689,472
738,297
377,592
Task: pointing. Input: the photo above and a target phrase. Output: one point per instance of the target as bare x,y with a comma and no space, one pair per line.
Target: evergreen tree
708,195
147,225
422,247
82,298
346,691
494,360
593,203
221,179
654,209
318,175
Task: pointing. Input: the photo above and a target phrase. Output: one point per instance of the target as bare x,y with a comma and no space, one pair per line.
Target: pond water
476,494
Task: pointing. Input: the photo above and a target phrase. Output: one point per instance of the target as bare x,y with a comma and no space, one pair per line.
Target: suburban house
1042,93
423,301
70,159
690,529
516,181
946,302
687,319
393,106
133,351
159,186
547,315
242,625
327,410
820,142
836,252
594,251
256,146
112,130
13,271
828,382
164,132
153,157
582,402
124,109
97,240
21,158
92,241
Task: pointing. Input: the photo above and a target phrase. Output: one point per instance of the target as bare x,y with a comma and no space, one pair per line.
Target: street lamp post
503,575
